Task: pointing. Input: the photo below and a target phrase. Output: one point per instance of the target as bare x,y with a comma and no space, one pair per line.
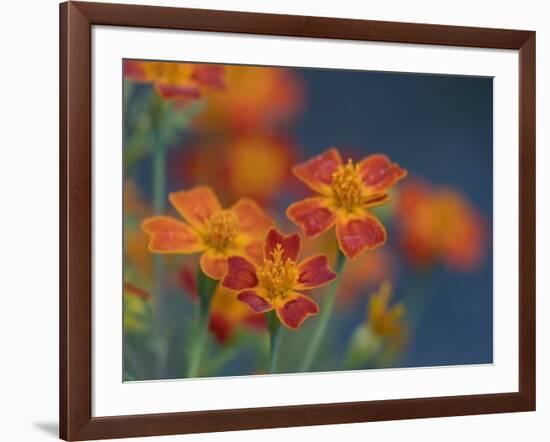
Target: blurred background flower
176,81
438,223
256,99
383,333
257,165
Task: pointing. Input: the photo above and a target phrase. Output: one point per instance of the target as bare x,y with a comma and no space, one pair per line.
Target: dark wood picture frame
76,21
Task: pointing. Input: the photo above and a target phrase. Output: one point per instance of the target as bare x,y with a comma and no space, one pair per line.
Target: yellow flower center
221,229
346,185
276,275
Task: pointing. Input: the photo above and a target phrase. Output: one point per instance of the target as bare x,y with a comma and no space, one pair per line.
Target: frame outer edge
76,422
76,221
527,227
63,399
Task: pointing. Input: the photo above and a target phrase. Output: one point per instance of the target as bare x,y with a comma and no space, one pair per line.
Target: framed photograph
273,220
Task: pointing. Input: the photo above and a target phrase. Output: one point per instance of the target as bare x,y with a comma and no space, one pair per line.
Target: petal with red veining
293,310
290,245
241,274
379,173
256,299
314,272
168,235
195,205
313,215
252,218
355,235
317,171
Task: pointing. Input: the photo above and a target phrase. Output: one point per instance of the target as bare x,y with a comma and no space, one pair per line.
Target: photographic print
295,220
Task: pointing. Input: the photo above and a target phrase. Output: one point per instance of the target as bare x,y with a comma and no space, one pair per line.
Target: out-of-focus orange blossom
257,166
256,99
439,224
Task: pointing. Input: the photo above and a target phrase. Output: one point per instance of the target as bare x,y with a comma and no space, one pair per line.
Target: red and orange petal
293,310
252,218
211,76
376,200
134,290
195,205
356,235
314,272
290,245
255,251
168,235
379,173
256,299
317,172
134,70
170,91
213,263
312,214
241,274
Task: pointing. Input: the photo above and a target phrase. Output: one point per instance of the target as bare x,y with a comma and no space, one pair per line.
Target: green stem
324,316
206,287
274,328
158,178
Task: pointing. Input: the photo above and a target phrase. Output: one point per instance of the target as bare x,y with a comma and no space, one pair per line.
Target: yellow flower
379,340
384,321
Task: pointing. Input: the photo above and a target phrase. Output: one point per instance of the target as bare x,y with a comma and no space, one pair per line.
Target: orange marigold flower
175,81
439,223
209,229
256,99
346,191
258,166
276,282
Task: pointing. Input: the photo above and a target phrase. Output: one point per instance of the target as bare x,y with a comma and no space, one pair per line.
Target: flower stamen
276,275
346,185
221,229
